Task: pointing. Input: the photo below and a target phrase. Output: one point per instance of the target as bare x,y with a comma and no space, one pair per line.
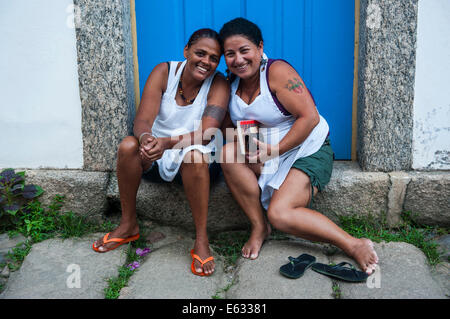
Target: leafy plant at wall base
37,222
13,191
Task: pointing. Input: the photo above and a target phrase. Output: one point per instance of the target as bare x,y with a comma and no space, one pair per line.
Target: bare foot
201,249
119,232
252,247
365,255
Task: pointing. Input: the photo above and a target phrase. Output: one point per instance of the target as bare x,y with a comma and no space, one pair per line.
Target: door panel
315,36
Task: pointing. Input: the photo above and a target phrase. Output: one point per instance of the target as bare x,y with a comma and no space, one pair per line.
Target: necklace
252,96
180,90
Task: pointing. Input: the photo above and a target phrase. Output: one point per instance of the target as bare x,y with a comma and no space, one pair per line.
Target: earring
230,76
263,63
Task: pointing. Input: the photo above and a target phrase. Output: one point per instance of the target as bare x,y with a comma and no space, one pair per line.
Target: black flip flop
297,266
340,272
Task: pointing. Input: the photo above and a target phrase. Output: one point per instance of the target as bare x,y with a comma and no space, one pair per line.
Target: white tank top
275,126
174,120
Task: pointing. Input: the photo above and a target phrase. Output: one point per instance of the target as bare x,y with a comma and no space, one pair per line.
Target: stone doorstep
350,191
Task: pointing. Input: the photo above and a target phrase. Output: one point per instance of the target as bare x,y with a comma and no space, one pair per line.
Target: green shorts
318,166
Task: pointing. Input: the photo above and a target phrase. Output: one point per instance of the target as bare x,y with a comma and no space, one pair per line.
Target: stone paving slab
441,275
261,279
159,236
44,272
402,273
166,274
7,244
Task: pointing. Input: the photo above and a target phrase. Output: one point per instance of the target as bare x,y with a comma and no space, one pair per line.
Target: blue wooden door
315,36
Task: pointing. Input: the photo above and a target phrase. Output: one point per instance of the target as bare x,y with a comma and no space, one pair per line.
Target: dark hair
241,26
204,33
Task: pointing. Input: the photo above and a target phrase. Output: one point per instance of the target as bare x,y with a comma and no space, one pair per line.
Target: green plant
43,223
337,294
18,254
117,283
14,191
36,222
377,229
220,292
70,225
230,245
134,256
40,223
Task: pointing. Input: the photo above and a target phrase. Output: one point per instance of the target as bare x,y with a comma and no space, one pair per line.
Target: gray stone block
352,191
105,71
261,279
396,197
402,273
46,271
428,197
85,192
387,53
166,274
166,203
441,275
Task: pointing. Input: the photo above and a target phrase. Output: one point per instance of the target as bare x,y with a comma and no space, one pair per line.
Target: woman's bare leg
242,180
288,213
195,175
129,172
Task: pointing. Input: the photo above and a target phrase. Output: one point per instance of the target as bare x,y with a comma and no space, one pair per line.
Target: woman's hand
263,153
153,148
147,143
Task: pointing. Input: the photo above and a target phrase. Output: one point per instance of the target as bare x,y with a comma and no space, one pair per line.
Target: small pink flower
142,252
134,265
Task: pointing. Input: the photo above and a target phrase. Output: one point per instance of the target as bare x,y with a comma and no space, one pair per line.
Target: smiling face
242,56
203,57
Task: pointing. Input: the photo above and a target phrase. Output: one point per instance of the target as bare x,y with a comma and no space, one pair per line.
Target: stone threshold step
350,191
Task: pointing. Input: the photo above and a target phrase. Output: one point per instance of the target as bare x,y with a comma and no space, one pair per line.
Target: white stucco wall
40,108
431,135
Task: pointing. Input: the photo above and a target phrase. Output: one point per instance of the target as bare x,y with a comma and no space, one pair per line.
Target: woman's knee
195,161
228,157
195,157
277,215
129,145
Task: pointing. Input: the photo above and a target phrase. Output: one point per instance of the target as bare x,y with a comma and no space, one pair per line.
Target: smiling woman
181,100
295,160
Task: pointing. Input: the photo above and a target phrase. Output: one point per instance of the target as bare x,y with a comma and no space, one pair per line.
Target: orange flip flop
194,256
119,241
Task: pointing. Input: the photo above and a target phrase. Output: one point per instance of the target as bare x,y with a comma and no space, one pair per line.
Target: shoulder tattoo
295,85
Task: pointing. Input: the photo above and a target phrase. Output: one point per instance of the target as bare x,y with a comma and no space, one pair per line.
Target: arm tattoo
295,85
216,112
